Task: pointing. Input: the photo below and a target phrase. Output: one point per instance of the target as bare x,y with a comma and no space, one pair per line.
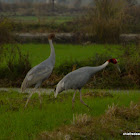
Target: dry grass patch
112,124
101,94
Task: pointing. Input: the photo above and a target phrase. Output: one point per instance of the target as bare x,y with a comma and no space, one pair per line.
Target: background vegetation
106,20
15,67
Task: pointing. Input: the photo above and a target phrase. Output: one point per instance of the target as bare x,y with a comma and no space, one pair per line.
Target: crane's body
78,78
41,72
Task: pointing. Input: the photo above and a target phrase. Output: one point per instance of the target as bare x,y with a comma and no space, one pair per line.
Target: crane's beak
118,67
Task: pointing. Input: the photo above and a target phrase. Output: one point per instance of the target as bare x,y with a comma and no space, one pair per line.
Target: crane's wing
36,74
39,72
77,79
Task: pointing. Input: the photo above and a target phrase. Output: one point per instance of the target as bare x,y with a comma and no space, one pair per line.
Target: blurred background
92,31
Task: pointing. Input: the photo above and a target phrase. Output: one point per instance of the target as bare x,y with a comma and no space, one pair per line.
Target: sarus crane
40,73
77,79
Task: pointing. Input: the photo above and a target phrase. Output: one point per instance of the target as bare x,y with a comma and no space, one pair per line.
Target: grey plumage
41,72
38,74
78,78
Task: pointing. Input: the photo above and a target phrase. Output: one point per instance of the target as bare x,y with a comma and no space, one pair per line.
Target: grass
111,125
68,52
17,123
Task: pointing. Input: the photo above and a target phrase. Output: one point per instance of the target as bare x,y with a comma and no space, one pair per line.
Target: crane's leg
39,93
28,99
73,99
82,100
36,86
40,100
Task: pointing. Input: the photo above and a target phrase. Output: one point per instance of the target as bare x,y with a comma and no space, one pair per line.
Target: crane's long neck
52,54
103,66
98,68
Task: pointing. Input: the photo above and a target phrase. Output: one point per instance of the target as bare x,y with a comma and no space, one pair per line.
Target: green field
17,123
42,19
68,52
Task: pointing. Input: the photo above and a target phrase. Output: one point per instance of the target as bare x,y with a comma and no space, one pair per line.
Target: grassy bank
17,123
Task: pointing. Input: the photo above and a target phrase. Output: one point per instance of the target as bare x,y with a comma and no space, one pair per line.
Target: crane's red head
113,60
51,36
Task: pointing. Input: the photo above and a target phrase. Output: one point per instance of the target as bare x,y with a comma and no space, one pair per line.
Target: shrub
132,21
107,20
131,63
104,21
17,65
